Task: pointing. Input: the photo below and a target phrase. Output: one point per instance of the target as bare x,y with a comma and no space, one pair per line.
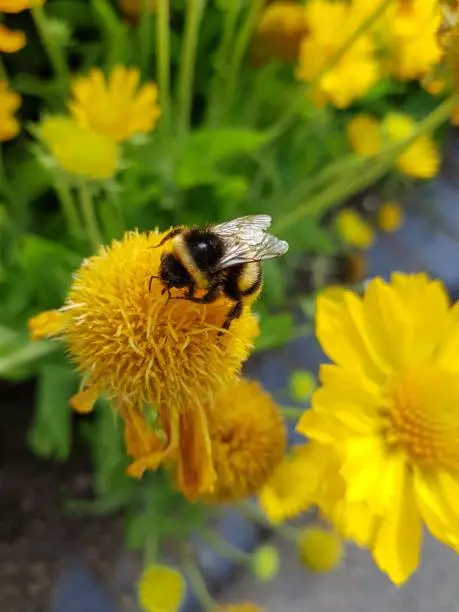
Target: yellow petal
46,324
10,41
398,543
84,400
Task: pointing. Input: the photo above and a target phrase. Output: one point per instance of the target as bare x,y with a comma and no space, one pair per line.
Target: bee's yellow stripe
186,259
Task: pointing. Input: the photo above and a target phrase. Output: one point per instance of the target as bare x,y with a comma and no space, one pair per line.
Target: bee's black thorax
205,248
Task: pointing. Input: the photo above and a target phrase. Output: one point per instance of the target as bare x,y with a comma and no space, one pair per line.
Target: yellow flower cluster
402,42
12,41
384,423
103,113
170,371
10,101
368,136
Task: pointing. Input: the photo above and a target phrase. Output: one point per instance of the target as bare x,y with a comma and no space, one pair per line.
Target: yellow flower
265,562
147,352
421,159
248,440
353,229
117,108
355,73
364,135
290,490
10,101
10,41
280,31
320,550
389,408
77,150
242,607
390,216
161,589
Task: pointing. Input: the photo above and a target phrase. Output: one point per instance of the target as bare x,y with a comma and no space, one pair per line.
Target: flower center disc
424,416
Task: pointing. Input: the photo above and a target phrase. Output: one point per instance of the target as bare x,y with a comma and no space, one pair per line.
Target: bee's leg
149,284
234,313
174,231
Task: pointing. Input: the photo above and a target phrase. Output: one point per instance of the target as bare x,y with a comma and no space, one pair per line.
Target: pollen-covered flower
353,229
329,25
119,107
10,101
390,216
388,408
79,151
319,549
291,489
248,439
161,589
148,352
280,31
12,41
368,136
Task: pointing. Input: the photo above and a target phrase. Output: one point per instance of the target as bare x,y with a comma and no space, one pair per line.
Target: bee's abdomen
243,280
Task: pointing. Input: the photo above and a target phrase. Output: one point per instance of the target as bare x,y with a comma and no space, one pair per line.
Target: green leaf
205,150
29,180
275,282
18,352
276,330
50,435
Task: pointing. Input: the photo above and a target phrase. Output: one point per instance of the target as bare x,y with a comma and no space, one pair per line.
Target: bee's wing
245,240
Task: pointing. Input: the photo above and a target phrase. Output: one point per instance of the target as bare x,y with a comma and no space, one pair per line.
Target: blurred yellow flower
329,25
161,589
119,107
390,216
147,352
353,229
248,439
280,31
265,562
79,151
280,499
10,101
367,136
10,41
389,409
320,550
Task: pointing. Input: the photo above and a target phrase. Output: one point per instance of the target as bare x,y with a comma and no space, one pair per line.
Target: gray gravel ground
356,586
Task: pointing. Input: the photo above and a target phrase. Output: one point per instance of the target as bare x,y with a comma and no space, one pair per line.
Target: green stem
252,513
221,61
144,33
197,581
375,168
56,57
292,413
334,58
151,549
3,72
89,215
69,209
194,12
163,58
240,47
225,549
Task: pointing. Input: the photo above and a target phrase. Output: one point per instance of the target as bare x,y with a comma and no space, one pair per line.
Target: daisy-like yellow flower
10,101
293,485
265,562
368,136
248,440
148,353
280,31
329,25
353,229
319,549
247,606
119,107
12,41
388,408
161,589
390,216
77,150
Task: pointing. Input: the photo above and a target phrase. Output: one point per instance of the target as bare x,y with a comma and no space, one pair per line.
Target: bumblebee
219,259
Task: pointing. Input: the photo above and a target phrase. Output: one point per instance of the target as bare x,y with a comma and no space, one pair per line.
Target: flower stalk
163,59
89,215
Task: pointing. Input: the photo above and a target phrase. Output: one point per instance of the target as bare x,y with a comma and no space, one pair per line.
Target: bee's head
172,273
